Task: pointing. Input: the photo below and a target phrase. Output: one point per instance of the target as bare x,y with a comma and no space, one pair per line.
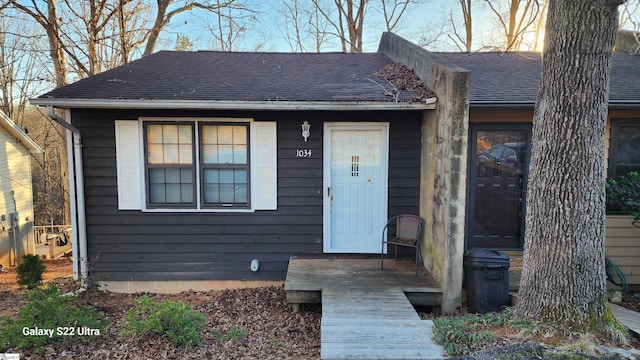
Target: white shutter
265,166
128,165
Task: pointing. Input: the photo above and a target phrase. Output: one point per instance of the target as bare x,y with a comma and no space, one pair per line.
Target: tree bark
563,278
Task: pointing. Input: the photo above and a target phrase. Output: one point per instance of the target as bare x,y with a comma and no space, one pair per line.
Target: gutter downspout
76,194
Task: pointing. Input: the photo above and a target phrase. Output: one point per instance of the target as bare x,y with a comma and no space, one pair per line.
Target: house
16,202
503,89
195,170
189,167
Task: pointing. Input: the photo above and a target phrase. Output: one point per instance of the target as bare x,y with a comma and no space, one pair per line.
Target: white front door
355,179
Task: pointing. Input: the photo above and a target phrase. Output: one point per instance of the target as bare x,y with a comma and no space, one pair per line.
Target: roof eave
624,104
20,135
502,104
519,105
429,104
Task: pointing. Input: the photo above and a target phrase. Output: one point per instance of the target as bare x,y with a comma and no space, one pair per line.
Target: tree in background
231,23
462,41
346,20
515,21
166,10
563,278
393,12
21,70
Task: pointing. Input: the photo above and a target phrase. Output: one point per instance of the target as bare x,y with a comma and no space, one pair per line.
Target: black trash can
486,278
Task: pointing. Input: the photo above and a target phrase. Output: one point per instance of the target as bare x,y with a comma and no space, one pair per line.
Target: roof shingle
238,76
513,77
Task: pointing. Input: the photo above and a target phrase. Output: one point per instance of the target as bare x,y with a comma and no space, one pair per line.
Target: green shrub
30,271
623,194
173,319
47,309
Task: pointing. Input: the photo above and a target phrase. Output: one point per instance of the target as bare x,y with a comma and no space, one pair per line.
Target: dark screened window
174,178
624,147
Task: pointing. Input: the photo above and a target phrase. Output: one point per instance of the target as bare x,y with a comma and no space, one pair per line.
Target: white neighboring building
16,195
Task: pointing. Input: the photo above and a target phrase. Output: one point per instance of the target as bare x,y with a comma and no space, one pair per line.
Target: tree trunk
56,49
158,24
563,278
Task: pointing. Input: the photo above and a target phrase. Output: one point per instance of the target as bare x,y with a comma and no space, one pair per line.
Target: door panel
355,207
498,178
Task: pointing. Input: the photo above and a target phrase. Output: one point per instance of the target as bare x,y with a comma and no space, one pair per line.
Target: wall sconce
305,130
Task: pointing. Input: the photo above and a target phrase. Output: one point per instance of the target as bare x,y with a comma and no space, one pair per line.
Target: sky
424,18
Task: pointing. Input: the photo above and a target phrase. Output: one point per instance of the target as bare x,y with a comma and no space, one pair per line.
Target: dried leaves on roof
402,78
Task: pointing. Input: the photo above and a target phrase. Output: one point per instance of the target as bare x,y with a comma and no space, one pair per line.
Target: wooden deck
629,318
367,313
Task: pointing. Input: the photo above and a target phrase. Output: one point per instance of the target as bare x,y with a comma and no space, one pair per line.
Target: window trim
255,203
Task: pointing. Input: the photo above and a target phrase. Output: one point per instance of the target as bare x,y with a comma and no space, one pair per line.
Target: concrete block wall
444,163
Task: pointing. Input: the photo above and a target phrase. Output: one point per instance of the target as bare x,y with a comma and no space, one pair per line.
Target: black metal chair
408,230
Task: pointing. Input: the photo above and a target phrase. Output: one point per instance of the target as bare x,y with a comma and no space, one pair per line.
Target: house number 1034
303,153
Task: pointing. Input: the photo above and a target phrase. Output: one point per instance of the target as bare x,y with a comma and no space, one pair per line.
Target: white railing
54,238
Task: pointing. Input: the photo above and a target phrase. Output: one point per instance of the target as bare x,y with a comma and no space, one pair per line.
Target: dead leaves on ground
271,329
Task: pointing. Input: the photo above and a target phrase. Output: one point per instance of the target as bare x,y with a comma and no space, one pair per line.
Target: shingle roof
513,77
238,76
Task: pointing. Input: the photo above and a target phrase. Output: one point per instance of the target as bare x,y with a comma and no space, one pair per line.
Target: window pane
186,176
156,176
240,135
240,154
225,154
170,154
184,134
211,193
211,176
187,193
225,135
185,155
240,176
226,193
241,193
628,145
156,193
210,154
155,154
170,134
226,176
209,134
173,193
172,176
154,134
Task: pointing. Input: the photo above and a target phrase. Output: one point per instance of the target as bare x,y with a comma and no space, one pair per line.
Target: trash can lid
485,254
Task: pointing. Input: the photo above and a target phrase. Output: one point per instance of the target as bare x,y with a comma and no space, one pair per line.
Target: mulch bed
273,330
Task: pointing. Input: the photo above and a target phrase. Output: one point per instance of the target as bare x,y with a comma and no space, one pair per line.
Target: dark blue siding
132,245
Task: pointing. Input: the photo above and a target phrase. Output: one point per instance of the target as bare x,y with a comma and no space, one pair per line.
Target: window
225,165
196,164
170,150
624,147
170,170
